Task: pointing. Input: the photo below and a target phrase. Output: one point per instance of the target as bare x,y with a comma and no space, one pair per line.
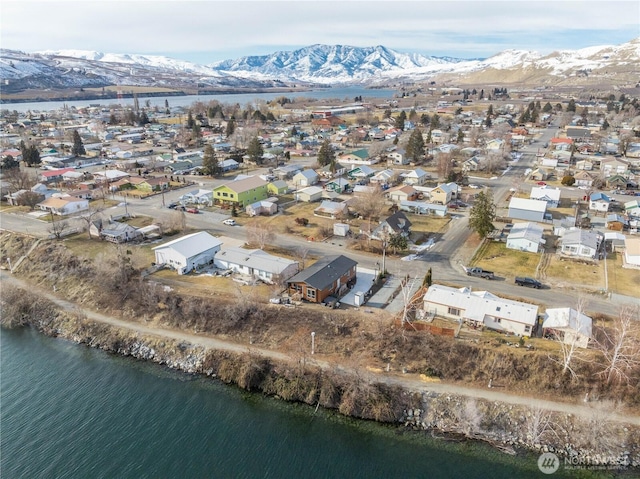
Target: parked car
481,273
192,210
229,222
172,206
524,281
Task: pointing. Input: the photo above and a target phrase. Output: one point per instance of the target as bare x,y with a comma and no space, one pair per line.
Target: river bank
512,429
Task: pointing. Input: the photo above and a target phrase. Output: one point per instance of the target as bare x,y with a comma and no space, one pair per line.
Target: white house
398,157
415,177
599,202
632,251
64,206
570,326
581,243
383,178
187,253
544,193
200,196
526,209
256,263
632,208
481,308
525,237
264,208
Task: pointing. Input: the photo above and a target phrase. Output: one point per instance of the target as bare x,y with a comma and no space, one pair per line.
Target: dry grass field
495,256
622,280
564,271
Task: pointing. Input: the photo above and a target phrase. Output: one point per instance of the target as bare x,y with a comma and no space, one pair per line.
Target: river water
68,411
346,94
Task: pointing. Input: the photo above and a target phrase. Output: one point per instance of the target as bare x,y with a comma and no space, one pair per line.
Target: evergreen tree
482,214
255,150
113,120
32,157
398,242
428,279
400,119
210,164
605,124
415,147
9,162
231,127
143,119
547,108
78,146
190,120
460,137
572,105
425,119
326,155
435,121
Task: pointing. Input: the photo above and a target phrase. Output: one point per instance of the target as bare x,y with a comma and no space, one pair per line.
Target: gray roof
582,237
324,272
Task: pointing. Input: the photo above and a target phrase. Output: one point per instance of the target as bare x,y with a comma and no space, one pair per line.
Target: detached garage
527,210
187,253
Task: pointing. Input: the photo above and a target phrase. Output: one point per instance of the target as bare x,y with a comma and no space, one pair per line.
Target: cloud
218,30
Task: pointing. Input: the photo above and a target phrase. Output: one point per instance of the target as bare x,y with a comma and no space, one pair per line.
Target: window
498,320
311,293
497,308
527,329
225,194
453,311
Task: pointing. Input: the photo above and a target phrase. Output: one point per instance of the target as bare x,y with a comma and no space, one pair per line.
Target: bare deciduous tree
371,204
620,345
89,217
259,234
19,179
570,350
58,227
539,424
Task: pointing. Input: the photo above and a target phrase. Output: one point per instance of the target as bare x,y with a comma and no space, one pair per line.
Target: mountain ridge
314,65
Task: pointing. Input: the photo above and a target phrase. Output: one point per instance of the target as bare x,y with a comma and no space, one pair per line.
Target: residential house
278,187
526,209
539,174
398,157
262,208
198,197
329,276
309,195
632,251
584,165
305,178
338,185
583,178
481,308
256,263
113,231
423,208
632,208
287,171
401,193
617,182
189,252
494,144
242,192
396,224
331,209
568,326
599,202
228,165
331,171
614,166
359,157
544,193
581,243
472,164
526,237
444,193
616,222
415,177
578,133
362,172
64,206
54,176
384,178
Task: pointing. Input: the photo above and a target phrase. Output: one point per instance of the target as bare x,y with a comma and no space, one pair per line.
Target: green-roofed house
242,192
360,157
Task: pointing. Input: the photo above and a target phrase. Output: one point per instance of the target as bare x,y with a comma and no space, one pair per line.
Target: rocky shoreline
509,428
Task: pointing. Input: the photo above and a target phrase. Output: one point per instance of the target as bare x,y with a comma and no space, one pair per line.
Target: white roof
568,318
192,245
538,192
529,231
527,204
255,258
311,190
479,304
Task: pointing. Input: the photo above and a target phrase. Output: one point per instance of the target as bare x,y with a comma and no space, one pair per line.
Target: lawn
80,244
622,280
563,270
494,256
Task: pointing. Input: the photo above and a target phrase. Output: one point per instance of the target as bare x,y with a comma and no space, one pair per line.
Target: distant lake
346,94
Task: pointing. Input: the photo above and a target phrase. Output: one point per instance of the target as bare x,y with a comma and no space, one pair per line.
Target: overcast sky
207,31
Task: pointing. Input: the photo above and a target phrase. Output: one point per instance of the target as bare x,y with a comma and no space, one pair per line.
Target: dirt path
411,383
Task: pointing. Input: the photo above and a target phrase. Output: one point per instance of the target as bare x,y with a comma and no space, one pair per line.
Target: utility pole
313,342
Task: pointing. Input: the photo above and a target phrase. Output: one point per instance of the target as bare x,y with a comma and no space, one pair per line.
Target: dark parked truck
481,273
524,281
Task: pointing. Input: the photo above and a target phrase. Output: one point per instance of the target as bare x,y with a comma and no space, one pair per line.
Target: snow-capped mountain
316,64
331,64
